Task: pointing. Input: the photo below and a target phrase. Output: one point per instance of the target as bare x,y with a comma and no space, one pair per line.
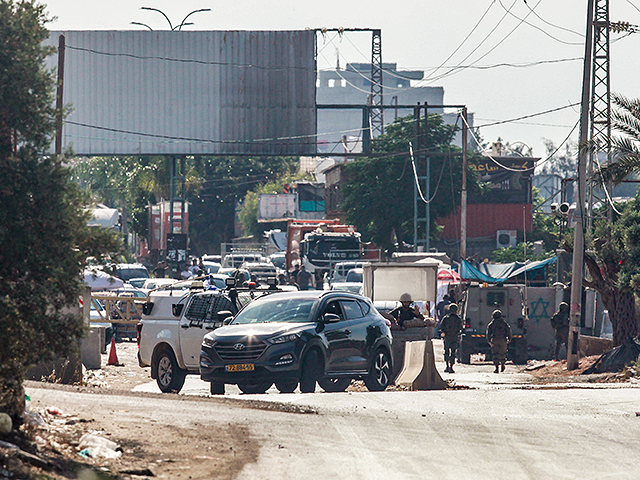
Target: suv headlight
289,337
208,342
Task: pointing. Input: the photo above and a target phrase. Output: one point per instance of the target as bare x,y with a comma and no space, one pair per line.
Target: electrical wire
581,35
417,181
184,60
532,11
528,116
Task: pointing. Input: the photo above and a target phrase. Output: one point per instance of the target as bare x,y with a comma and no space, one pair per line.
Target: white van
341,269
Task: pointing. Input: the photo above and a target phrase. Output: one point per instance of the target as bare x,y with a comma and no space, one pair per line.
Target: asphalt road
492,433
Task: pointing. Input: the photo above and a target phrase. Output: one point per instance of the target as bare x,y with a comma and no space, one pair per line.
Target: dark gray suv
292,338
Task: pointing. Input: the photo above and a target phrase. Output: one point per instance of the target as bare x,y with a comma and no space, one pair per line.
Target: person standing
304,278
498,336
560,322
441,310
405,312
450,328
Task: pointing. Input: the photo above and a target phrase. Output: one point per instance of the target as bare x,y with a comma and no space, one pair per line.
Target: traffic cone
113,356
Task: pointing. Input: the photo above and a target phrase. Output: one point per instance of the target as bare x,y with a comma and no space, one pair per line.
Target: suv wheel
253,388
170,376
286,386
310,372
380,374
334,384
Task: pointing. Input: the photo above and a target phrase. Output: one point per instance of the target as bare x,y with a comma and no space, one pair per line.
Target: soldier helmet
453,307
563,306
405,297
496,314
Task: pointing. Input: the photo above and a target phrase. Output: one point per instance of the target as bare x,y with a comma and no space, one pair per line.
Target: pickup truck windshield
292,310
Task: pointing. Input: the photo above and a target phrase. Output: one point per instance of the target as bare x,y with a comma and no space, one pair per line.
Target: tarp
615,360
99,280
103,216
496,273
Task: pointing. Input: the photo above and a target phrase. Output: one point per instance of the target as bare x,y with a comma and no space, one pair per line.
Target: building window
318,83
343,83
331,83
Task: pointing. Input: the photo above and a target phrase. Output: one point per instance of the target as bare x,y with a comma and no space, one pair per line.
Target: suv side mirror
227,321
223,315
330,318
176,309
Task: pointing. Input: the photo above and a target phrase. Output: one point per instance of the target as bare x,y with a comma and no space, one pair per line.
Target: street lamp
177,27
143,24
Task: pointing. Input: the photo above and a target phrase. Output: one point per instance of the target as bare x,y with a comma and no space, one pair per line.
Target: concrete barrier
91,347
419,370
594,345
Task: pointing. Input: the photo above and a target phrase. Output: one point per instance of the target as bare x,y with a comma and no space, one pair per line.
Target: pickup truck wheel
216,388
334,384
310,372
286,386
170,376
379,376
253,388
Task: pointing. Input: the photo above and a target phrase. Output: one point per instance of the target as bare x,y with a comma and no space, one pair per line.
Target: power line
528,116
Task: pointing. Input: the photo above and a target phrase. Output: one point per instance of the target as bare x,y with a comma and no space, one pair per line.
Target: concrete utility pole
60,99
579,218
463,201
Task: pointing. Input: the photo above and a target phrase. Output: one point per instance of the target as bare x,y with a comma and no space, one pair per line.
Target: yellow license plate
240,367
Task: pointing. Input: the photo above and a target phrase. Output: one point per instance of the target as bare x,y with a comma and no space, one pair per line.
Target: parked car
341,269
127,271
211,267
153,283
237,259
137,282
354,275
279,259
262,271
292,338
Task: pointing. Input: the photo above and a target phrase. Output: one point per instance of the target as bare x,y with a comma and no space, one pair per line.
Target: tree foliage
614,267
44,238
226,181
379,192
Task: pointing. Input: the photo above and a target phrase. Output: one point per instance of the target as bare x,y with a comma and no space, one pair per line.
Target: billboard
188,93
277,206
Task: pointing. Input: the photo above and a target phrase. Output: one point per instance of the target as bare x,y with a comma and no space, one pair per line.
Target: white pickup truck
173,323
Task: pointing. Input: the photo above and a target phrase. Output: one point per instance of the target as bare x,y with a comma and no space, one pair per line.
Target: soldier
405,312
498,336
450,328
560,322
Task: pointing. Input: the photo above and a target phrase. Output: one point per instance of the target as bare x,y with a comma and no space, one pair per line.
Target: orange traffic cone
113,356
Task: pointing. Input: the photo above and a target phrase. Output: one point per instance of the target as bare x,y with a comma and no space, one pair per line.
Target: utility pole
463,201
60,99
579,218
377,118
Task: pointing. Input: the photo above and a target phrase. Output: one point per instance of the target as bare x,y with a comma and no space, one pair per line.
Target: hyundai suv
292,338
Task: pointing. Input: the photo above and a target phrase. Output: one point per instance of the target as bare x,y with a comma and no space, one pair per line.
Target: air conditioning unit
506,238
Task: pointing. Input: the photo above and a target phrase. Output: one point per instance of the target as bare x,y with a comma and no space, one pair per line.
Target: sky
504,59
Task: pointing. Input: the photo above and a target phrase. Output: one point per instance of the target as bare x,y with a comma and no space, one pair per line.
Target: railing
126,310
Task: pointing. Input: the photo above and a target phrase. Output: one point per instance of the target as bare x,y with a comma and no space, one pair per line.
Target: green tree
226,181
44,240
379,192
248,213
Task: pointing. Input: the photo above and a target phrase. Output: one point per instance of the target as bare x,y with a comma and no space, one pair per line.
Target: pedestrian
293,275
185,273
304,278
160,270
405,311
498,336
441,310
560,322
194,267
450,329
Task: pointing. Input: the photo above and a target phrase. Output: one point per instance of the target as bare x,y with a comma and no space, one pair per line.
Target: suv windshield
293,310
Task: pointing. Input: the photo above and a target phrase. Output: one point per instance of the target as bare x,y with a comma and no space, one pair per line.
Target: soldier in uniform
498,336
560,322
404,312
450,328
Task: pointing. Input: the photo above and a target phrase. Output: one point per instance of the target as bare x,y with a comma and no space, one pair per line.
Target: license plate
240,367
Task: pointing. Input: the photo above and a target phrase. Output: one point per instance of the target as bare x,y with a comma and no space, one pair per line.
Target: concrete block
91,346
419,370
594,345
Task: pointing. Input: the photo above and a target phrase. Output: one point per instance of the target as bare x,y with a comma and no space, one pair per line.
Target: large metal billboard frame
188,93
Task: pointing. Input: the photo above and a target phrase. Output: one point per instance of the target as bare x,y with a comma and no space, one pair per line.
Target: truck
526,309
320,244
174,321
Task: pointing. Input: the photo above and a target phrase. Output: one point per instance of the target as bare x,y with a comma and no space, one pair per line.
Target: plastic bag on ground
96,446
615,360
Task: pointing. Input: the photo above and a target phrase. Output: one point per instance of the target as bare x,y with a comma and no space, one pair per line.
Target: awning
497,273
99,280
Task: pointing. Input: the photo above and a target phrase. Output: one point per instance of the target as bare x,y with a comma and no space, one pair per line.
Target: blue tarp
497,273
